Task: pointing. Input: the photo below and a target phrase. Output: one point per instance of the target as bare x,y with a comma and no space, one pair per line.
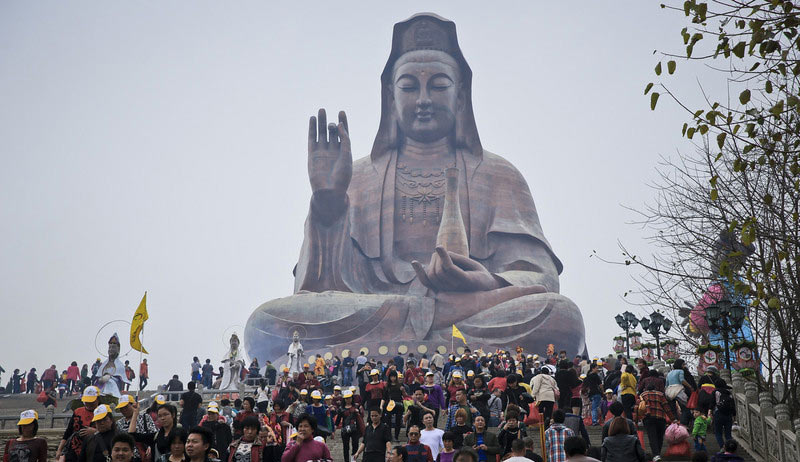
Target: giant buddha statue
370,275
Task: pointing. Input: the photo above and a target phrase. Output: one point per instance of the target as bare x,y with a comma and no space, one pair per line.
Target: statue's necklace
421,192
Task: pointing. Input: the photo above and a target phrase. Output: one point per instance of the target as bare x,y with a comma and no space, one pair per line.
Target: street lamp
654,325
627,321
725,317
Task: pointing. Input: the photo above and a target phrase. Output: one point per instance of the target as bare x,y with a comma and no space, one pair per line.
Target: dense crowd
470,407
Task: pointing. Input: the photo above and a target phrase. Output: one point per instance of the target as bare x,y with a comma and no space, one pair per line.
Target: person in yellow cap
27,447
220,428
144,423
80,423
348,418
320,412
393,396
97,448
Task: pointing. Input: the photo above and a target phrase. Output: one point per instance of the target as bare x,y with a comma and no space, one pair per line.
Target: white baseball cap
27,417
90,394
316,394
101,412
124,400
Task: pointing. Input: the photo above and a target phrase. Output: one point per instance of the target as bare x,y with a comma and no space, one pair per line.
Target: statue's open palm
330,161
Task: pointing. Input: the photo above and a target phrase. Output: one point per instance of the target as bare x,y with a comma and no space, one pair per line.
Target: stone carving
370,273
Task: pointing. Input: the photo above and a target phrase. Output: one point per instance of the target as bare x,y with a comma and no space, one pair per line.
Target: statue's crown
425,33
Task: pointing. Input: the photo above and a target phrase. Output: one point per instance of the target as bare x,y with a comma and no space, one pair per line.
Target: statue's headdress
114,338
426,31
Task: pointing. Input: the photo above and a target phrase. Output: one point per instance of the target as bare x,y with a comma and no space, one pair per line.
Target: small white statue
232,366
296,354
111,374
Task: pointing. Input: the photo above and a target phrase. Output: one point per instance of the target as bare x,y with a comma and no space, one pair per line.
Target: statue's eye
407,84
441,83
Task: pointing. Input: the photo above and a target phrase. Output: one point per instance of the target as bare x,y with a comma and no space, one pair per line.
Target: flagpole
141,334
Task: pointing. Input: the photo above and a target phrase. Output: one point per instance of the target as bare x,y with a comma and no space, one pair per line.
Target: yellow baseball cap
161,399
293,435
285,369
353,388
124,400
399,375
390,405
90,394
337,387
327,397
470,373
374,372
457,374
101,412
347,394
213,409
316,394
303,391
27,417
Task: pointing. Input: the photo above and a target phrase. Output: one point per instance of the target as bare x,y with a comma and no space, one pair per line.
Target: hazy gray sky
161,146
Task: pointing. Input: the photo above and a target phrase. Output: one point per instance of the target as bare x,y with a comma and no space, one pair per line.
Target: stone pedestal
782,414
751,392
765,403
726,375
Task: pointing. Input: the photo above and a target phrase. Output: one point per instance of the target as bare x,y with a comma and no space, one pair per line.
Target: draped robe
351,290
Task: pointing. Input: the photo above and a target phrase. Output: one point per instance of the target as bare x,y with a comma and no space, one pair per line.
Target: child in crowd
446,454
605,405
699,431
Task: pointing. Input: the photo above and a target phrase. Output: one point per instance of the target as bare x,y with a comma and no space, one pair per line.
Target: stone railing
764,426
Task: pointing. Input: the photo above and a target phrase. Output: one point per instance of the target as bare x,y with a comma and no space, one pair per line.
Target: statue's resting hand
330,165
452,272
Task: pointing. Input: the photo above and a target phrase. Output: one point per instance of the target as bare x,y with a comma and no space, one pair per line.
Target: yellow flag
137,324
457,334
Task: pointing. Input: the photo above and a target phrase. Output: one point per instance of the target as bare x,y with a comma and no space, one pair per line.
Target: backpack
725,403
350,423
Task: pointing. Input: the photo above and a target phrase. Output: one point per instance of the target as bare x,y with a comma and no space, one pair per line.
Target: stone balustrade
763,426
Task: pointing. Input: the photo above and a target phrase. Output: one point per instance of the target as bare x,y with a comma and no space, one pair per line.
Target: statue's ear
462,98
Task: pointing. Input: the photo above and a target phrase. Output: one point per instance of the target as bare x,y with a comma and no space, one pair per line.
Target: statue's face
113,349
234,342
426,94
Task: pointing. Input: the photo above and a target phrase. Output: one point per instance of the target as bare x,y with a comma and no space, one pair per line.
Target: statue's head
426,88
427,94
234,342
295,337
730,250
113,347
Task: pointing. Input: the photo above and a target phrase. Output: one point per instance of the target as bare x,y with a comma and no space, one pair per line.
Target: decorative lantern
648,352
745,351
619,344
636,340
709,355
669,350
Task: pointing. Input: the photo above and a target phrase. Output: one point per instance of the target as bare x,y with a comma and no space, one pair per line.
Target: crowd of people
69,382
470,407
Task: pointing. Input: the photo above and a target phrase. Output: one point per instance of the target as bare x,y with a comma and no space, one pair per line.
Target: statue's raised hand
330,164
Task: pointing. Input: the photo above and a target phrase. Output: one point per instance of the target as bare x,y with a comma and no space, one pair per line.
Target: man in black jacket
594,385
222,432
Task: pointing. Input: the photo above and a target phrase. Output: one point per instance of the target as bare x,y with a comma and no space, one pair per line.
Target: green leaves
654,100
670,67
744,97
648,87
721,139
658,68
738,49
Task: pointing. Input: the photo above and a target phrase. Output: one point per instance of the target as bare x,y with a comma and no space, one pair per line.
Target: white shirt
518,459
432,439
